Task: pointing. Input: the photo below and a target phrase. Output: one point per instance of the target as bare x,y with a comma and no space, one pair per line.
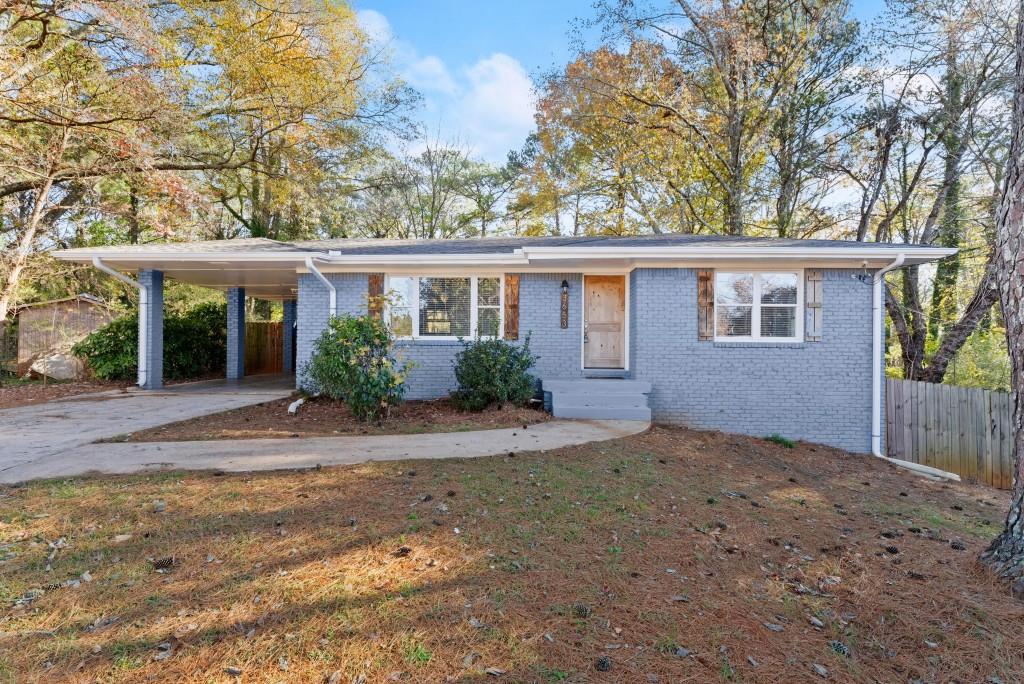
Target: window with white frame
758,305
444,307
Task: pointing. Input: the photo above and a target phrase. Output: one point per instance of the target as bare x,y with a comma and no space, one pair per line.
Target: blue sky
474,60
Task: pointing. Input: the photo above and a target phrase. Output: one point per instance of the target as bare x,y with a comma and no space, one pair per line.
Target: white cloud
486,107
496,112
375,25
430,74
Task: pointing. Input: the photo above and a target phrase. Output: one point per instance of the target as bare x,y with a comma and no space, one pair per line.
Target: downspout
143,374
876,355
327,283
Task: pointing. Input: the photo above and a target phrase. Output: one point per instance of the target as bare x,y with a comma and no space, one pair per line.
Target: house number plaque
565,304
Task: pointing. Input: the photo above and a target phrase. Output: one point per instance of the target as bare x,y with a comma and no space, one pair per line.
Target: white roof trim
525,256
737,252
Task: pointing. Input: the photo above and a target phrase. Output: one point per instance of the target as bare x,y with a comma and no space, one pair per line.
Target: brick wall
312,309
818,391
557,349
432,374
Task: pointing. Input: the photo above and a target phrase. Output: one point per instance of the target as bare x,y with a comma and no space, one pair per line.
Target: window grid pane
400,297
734,321
444,307
401,321
488,291
778,321
778,288
488,321
734,288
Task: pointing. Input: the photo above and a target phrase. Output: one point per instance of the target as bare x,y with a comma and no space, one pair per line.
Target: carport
256,268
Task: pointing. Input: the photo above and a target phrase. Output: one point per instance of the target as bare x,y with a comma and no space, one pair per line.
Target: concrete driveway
39,433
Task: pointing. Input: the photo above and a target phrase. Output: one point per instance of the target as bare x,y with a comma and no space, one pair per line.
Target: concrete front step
598,398
595,413
596,386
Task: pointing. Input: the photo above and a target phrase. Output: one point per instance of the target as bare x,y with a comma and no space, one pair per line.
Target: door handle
586,333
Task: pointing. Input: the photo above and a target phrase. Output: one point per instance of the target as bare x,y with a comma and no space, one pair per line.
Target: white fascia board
504,259
734,252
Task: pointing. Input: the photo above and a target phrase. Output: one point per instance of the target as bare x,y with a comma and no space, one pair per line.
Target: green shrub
195,344
780,440
352,362
111,351
493,372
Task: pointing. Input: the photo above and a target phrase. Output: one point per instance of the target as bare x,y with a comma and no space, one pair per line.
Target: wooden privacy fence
960,430
264,347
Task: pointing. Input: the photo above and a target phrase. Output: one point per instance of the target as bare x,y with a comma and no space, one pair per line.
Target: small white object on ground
293,407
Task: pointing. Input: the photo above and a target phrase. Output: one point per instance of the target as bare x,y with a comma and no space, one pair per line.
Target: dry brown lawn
680,556
14,393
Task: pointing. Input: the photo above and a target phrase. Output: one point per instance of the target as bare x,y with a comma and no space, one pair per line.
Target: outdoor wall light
565,303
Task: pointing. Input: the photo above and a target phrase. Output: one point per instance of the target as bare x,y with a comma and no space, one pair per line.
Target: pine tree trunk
1006,553
24,249
947,271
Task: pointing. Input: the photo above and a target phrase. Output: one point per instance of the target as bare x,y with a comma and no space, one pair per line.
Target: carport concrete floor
58,439
41,432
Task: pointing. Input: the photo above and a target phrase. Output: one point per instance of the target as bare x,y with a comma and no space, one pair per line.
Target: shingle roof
500,245
81,296
235,246
264,249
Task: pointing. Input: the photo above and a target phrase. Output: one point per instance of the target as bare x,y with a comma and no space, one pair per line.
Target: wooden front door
604,322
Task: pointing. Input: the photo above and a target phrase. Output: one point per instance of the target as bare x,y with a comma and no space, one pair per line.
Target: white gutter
327,283
143,365
876,354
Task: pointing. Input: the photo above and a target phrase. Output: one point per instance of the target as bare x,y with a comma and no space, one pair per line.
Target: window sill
759,344
422,341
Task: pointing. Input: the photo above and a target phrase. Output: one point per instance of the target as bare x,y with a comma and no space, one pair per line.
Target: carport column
236,333
288,325
151,329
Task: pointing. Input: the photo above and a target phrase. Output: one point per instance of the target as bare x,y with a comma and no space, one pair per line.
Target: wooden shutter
812,304
511,306
375,294
705,304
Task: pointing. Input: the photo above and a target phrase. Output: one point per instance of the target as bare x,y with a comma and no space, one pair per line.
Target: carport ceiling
261,279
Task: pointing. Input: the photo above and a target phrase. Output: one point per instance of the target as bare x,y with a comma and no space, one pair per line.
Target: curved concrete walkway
276,454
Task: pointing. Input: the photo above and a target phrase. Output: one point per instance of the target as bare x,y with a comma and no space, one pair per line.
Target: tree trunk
134,224
955,336
1006,553
947,271
28,238
734,174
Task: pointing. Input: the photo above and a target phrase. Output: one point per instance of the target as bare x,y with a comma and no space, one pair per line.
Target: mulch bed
678,556
21,393
327,418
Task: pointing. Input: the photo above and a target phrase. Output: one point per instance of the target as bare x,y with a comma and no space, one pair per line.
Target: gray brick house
748,335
